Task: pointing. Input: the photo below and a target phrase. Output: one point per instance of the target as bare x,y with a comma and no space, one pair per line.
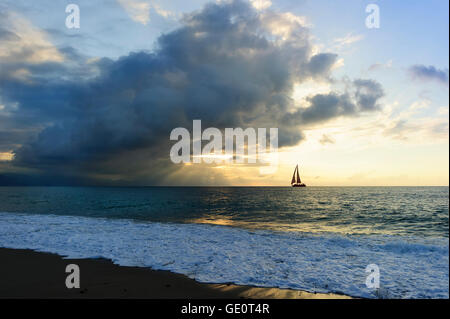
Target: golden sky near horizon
349,159
362,151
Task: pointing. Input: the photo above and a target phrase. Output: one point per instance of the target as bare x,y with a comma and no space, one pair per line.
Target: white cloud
339,63
407,126
350,38
162,12
261,4
26,43
285,26
377,66
139,10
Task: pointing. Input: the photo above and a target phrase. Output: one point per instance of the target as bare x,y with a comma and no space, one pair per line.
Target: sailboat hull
299,185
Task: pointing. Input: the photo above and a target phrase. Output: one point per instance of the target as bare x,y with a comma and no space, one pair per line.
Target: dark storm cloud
225,66
368,92
422,72
321,63
11,139
322,107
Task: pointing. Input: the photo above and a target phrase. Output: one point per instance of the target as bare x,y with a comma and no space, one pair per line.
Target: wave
409,267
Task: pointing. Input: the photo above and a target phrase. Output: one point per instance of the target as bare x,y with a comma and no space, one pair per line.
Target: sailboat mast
298,175
293,177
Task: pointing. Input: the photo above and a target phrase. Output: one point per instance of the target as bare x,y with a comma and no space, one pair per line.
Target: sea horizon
212,186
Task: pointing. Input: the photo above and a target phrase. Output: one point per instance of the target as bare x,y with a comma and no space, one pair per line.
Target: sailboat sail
296,181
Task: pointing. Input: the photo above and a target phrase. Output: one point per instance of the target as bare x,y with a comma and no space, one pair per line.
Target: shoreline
29,274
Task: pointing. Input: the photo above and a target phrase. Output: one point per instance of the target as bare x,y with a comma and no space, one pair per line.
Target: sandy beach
30,274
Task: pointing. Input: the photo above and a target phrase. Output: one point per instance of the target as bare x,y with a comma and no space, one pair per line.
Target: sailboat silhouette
296,181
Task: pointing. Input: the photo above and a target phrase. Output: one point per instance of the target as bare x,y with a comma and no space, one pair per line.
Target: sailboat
296,181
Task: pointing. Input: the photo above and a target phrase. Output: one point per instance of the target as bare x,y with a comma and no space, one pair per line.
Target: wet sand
30,274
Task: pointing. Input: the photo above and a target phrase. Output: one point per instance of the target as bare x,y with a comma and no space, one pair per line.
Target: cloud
326,140
6,156
321,63
230,65
349,39
433,129
428,73
261,4
363,97
139,11
407,126
20,41
378,66
162,12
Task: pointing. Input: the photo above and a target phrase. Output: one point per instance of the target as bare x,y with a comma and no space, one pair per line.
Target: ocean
318,239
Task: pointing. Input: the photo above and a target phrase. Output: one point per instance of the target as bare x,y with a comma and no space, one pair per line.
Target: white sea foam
409,268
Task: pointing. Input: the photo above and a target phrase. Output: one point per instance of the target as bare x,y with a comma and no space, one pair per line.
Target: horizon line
217,186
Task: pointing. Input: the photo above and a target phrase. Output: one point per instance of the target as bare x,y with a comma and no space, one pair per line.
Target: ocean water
318,239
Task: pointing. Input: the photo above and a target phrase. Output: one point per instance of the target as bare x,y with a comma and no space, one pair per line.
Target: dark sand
29,274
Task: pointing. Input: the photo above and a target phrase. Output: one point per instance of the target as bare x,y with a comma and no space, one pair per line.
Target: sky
95,105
